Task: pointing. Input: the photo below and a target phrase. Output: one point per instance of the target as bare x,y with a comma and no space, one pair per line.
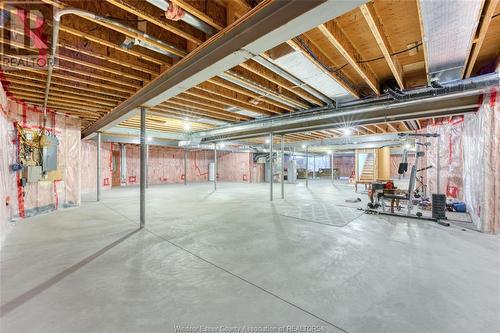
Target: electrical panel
33,173
36,159
49,153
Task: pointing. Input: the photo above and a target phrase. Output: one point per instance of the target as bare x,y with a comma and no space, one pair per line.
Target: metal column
282,167
215,166
123,164
438,166
271,166
307,166
314,167
331,162
98,183
185,167
143,168
147,165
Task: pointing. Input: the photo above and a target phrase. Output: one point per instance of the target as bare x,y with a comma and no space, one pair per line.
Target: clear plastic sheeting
481,145
395,160
450,154
57,189
6,184
88,158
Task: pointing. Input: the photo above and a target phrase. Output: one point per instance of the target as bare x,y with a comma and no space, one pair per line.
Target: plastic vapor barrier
57,190
481,145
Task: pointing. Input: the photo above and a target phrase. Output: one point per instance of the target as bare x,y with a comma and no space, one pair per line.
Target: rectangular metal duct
449,27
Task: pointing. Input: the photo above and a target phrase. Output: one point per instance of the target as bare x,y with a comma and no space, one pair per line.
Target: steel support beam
98,182
273,23
143,168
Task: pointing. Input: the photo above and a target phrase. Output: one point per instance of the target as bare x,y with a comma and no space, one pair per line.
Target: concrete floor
229,259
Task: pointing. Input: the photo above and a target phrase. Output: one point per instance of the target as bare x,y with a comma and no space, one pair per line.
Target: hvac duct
457,98
448,28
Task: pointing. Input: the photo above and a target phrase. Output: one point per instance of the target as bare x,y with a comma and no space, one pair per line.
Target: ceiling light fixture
347,131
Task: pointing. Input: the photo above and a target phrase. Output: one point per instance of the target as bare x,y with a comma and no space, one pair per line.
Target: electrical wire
331,70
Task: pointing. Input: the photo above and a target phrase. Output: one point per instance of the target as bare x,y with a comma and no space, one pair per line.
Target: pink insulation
234,167
396,159
166,165
345,165
450,156
45,195
88,158
481,146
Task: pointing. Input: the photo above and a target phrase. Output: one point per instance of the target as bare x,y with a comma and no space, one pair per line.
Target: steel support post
282,167
185,166
271,166
98,181
215,166
331,162
143,168
438,165
314,167
147,165
307,166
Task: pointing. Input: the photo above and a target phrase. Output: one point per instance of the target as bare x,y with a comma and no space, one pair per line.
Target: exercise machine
414,191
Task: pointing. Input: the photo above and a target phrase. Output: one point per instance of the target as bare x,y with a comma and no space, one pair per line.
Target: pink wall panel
46,194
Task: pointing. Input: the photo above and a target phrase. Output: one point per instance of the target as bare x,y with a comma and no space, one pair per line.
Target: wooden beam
271,76
393,129
152,19
191,111
347,85
424,44
368,129
224,101
113,46
266,91
76,79
207,89
231,86
380,128
27,88
78,62
333,32
201,110
120,62
373,20
484,24
197,13
100,92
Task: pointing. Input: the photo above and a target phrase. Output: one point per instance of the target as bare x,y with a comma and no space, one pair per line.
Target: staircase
368,172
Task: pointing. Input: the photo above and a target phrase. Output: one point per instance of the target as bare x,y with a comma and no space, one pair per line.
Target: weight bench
406,196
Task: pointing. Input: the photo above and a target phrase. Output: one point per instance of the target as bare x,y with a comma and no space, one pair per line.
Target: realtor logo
24,38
